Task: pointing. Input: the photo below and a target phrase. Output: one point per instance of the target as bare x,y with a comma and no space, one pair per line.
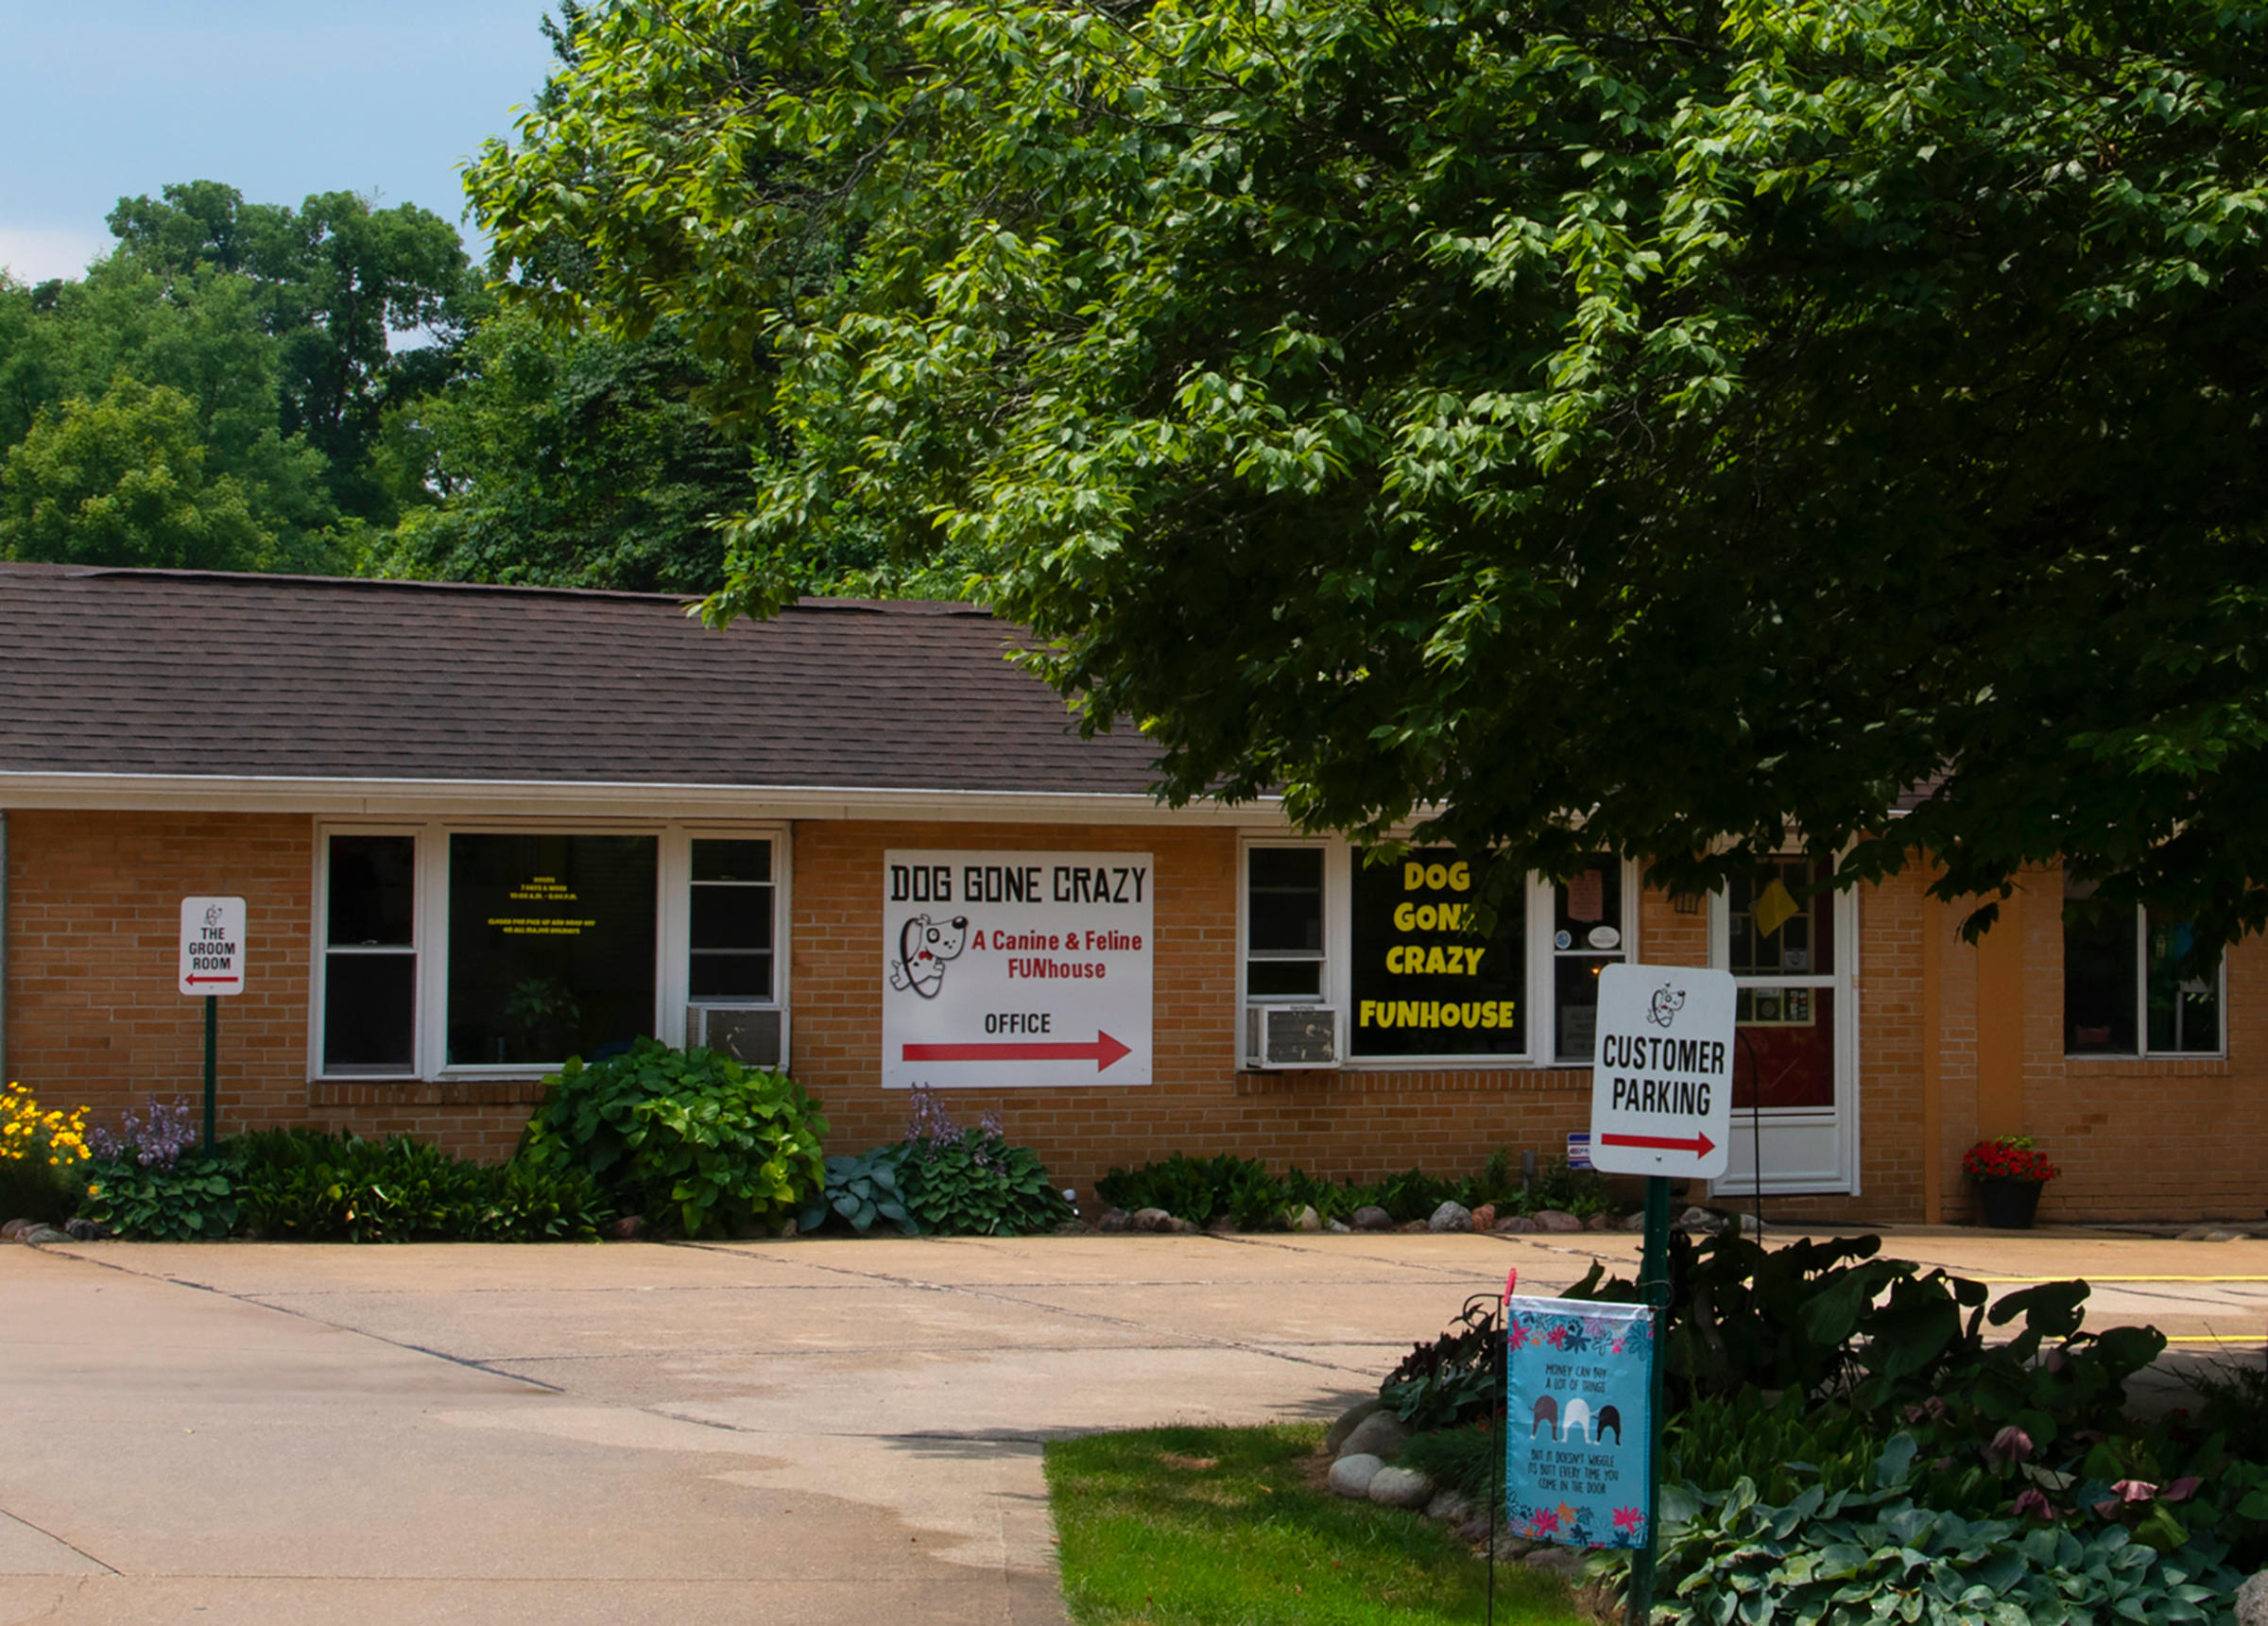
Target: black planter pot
2009,1204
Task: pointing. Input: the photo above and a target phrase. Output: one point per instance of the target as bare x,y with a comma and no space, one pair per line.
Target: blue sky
103,99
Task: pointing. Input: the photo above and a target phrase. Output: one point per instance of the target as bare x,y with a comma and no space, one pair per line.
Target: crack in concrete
59,1541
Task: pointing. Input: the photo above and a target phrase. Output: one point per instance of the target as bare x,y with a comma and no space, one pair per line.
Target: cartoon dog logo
1667,1002
923,946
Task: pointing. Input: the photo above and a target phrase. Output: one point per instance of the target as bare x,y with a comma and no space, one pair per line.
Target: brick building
480,828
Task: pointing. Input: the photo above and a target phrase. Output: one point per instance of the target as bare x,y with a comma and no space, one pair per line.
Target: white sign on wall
211,944
1015,969
1661,1085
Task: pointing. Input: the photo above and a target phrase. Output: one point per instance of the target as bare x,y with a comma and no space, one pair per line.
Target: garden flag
1577,1432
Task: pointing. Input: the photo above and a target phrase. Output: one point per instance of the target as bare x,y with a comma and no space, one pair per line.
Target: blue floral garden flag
1577,1432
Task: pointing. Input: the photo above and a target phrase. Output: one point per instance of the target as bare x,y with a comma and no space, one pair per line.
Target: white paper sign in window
1015,969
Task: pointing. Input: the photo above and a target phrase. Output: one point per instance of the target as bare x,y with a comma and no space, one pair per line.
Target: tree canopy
1573,423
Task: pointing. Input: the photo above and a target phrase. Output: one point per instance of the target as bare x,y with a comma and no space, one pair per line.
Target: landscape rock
1183,1227
1224,1226
2211,1234
1335,1436
46,1234
1451,1507
1413,1227
1307,1219
1350,1476
627,1229
2252,1602
13,1231
1114,1221
1556,1219
1372,1218
1634,1222
1564,1562
1400,1488
1379,1435
1605,1222
1340,1228
1514,1225
1450,1216
1483,1217
1152,1219
88,1231
1700,1219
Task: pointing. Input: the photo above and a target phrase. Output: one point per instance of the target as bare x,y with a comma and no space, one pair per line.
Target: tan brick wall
94,1012
1362,1123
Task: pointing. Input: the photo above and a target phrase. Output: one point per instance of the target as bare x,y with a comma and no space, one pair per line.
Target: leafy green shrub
189,1199
862,1191
1469,1458
688,1137
1863,1556
310,1186
1241,1190
1453,1379
971,1182
1784,1444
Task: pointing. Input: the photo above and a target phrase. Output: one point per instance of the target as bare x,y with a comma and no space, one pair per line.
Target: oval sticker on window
1604,937
1565,940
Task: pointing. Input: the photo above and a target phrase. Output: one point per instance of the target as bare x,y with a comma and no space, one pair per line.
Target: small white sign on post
1661,1085
211,944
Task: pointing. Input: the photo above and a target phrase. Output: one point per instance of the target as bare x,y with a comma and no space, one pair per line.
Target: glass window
1426,979
732,954
1781,947
551,947
1587,937
2122,966
2099,981
369,955
1284,923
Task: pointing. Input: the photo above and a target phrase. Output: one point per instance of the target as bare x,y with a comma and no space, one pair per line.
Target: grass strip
1227,1527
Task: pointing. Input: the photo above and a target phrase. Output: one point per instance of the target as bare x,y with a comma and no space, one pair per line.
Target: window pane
732,917
1286,908
2184,989
733,860
1576,1003
1776,930
373,889
1588,903
731,976
1784,1049
370,1003
1284,979
1424,983
551,946
2098,981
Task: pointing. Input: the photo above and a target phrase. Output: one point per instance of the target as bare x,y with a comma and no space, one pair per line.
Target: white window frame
1536,988
2141,1051
673,934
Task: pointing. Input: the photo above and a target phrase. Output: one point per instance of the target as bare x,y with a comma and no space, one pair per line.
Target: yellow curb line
2011,1281
2217,1338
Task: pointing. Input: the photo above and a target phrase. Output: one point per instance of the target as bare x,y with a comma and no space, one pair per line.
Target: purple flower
2012,1445
2136,1490
2034,1503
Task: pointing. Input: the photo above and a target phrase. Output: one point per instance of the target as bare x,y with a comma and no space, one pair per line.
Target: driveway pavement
813,1432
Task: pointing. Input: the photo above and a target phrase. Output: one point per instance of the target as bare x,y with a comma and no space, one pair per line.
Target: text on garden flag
1576,1428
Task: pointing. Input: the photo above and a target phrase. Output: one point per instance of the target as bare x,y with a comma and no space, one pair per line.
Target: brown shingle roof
160,671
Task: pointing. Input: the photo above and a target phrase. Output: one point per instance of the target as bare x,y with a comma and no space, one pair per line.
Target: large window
2131,984
1428,981
1780,943
1587,937
1284,923
445,949
551,947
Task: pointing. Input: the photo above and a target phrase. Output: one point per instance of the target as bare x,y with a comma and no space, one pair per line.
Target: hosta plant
862,1191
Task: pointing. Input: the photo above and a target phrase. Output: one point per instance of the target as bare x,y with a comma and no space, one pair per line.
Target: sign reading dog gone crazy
1005,969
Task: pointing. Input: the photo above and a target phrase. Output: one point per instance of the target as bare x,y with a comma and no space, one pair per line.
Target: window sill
445,1091
2146,1066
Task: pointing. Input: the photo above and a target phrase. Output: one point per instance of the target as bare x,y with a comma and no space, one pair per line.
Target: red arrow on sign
212,979
1700,1145
1102,1052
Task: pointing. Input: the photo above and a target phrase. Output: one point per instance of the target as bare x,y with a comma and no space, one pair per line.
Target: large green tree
1572,422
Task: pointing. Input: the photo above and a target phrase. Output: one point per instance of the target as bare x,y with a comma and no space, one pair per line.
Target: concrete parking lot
818,1432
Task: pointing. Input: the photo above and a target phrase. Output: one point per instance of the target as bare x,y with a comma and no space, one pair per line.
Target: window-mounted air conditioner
753,1035
1292,1036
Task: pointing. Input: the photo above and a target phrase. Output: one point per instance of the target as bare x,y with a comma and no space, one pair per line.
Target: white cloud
35,253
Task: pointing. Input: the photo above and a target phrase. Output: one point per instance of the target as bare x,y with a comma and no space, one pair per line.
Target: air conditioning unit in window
1291,1035
753,1035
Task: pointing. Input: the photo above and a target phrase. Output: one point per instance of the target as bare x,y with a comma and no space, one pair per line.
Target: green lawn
1220,1527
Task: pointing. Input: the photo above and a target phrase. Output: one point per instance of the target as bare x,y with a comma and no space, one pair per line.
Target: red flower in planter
2010,1157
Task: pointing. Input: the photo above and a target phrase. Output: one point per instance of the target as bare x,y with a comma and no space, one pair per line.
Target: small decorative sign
1578,1435
211,958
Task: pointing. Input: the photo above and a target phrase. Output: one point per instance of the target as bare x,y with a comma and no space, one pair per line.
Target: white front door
1794,952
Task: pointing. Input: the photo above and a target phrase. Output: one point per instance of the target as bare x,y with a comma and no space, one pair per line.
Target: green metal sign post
211,1066
1653,1286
